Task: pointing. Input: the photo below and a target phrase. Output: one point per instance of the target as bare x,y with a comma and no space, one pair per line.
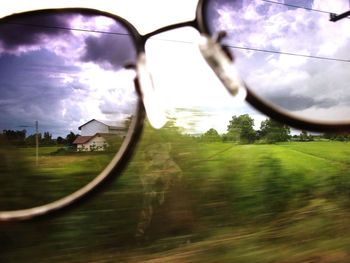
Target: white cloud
322,83
331,6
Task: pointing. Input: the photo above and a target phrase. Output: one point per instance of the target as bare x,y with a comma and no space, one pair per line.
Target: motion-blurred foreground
188,199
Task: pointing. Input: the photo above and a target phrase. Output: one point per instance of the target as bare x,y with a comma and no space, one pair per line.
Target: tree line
19,138
241,129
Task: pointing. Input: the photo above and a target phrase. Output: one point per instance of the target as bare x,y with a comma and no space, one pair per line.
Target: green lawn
286,202
55,175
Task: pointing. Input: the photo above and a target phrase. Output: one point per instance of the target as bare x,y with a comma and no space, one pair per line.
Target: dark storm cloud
110,50
300,102
30,31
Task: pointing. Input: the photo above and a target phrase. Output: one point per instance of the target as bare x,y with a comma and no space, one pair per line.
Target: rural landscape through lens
67,101
290,53
221,182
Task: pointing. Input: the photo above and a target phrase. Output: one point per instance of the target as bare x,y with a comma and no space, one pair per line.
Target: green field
210,202
57,174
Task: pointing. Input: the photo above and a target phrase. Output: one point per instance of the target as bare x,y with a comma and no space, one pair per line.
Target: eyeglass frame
122,157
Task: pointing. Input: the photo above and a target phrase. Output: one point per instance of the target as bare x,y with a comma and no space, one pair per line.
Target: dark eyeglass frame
121,159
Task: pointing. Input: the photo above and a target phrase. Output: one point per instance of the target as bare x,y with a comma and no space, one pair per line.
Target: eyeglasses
82,69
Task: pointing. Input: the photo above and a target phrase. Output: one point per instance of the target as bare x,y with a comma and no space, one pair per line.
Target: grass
286,202
55,175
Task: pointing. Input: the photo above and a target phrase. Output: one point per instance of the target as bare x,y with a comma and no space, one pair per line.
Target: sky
63,78
305,84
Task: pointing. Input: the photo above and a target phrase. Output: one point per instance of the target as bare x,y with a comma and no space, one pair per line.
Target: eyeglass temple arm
335,17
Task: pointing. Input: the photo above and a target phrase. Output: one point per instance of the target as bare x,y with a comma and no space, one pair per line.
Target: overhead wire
287,53
66,28
189,42
301,7
296,6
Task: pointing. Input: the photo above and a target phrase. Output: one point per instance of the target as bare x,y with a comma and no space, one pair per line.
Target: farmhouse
91,143
94,135
96,126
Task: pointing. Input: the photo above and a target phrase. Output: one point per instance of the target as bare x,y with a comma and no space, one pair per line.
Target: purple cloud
110,51
32,30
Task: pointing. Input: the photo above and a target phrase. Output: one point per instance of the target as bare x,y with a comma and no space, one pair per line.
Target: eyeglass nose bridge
152,101
217,57
222,64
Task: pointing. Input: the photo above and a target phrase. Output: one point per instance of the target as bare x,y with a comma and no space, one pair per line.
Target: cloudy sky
57,69
66,77
313,79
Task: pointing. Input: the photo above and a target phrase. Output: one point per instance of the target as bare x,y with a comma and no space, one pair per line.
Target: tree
241,127
47,139
70,138
211,135
273,131
305,137
60,140
337,136
14,137
31,139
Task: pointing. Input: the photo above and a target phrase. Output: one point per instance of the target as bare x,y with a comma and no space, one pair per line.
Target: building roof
110,124
82,139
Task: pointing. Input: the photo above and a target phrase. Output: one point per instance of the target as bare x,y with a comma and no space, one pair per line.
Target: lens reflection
291,56
66,103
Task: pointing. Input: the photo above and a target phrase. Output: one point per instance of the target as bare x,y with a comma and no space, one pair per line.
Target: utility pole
36,140
36,143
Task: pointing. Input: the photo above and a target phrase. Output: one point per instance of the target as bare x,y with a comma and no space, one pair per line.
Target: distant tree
47,139
14,137
273,131
337,137
211,135
329,136
229,137
305,137
70,138
31,139
242,127
259,135
60,140
232,135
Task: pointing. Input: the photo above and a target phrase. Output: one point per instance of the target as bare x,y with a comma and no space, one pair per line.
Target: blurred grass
24,184
235,203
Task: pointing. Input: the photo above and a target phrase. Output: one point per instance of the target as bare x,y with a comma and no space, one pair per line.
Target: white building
96,126
94,133
91,143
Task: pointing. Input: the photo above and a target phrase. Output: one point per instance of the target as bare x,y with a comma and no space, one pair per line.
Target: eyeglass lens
290,55
67,101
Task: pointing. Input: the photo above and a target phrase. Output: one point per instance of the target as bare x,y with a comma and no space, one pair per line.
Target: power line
302,7
287,53
186,42
264,50
296,6
67,28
